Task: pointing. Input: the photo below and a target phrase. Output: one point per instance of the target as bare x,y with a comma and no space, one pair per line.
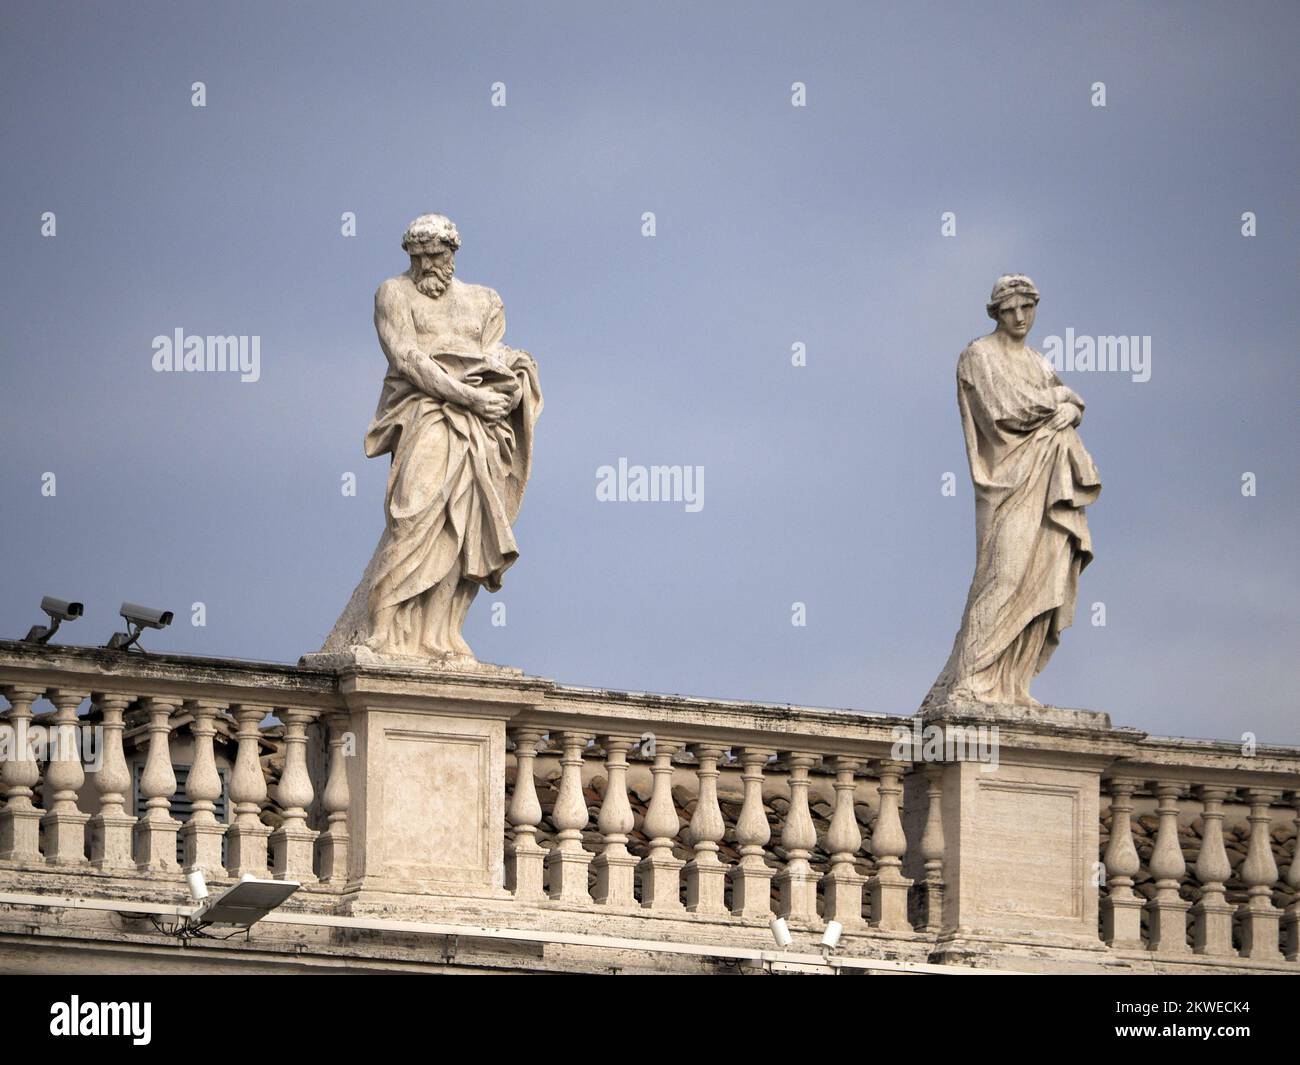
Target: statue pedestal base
1020,829
427,779
361,656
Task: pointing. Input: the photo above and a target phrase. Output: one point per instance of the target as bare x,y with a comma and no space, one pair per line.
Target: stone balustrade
721,830
1172,885
96,791
84,824
495,799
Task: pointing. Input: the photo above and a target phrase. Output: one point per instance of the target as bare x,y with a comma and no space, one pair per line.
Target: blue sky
775,225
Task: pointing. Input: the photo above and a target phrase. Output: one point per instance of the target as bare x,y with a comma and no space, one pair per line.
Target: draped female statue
1032,479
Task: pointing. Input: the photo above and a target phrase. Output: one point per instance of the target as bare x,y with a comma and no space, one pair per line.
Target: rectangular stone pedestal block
201,844
659,875
333,844
427,784
566,874
842,895
110,841
925,906
751,888
524,871
292,853
615,879
1212,927
1260,929
1021,832
246,850
65,837
1167,922
706,881
1121,919
887,893
20,832
796,892
155,842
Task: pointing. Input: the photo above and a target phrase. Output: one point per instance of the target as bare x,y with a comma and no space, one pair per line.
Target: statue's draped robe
1031,485
454,488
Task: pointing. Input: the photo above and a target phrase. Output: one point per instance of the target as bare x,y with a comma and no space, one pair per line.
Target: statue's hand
1067,414
487,403
513,393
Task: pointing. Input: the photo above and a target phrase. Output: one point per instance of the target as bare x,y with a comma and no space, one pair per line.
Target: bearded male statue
456,414
1032,479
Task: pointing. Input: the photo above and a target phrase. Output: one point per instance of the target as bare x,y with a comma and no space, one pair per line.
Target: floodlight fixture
244,904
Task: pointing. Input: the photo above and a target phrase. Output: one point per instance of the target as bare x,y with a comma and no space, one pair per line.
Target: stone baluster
1292,918
155,831
246,836
843,883
566,864
929,893
201,835
1259,917
751,877
658,873
336,801
110,827
1167,911
1212,914
615,866
20,772
1121,909
706,874
293,843
524,855
796,884
888,888
64,825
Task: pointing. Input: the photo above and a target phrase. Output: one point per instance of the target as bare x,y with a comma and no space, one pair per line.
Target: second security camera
146,617
138,618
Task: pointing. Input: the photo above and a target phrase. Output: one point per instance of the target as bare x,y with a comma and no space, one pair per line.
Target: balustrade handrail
553,705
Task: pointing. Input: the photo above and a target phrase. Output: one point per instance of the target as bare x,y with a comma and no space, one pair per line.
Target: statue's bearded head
432,241
1012,305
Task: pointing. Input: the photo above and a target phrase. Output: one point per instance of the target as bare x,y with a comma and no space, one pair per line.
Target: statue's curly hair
431,229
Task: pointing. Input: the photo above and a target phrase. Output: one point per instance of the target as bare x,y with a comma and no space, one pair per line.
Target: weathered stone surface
1032,479
456,414
423,822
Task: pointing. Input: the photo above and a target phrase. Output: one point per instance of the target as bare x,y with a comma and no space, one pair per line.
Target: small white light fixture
198,886
781,932
831,937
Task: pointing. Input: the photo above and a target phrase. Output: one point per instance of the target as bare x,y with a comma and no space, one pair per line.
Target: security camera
138,618
59,611
146,617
